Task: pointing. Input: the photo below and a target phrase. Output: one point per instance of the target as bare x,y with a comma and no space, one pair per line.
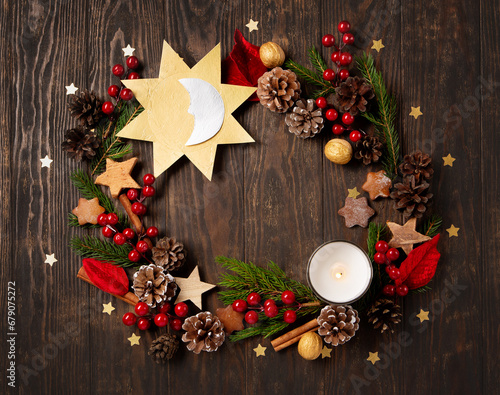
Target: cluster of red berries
162,318
120,92
252,307
387,256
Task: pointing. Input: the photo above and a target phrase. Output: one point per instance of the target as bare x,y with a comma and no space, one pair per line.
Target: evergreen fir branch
317,60
431,227
323,92
307,75
421,290
73,221
93,247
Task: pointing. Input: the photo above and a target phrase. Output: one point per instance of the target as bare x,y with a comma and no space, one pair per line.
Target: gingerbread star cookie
377,185
232,320
87,211
117,176
405,236
356,212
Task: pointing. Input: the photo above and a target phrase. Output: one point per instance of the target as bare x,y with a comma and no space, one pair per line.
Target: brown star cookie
356,212
87,211
377,185
117,176
405,236
232,320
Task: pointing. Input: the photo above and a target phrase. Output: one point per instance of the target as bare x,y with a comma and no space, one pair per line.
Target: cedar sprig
431,227
93,247
312,77
385,117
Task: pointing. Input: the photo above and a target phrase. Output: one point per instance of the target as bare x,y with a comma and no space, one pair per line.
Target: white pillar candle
339,272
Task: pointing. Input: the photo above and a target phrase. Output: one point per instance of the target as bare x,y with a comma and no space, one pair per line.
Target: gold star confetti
50,259
252,25
134,340
260,351
377,45
415,112
326,352
46,161
448,160
353,192
453,231
128,50
373,357
107,308
71,89
423,315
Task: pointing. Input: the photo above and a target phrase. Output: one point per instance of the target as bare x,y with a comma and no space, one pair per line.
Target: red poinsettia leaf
106,276
420,265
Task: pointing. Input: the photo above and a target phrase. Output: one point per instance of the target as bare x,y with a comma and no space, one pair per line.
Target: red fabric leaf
106,276
420,265
243,65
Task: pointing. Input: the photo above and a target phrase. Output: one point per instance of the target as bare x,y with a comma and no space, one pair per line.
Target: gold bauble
310,346
339,151
272,55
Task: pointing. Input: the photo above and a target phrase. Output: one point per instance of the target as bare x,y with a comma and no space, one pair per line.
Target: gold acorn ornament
310,346
338,151
272,55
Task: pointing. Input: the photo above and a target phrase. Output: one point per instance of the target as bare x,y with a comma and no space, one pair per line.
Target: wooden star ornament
117,176
377,185
404,236
192,288
356,212
87,211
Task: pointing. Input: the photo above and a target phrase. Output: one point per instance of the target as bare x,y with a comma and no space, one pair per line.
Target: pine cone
412,197
169,254
86,108
204,332
278,89
384,314
338,324
163,348
352,95
80,143
306,119
418,165
368,149
153,286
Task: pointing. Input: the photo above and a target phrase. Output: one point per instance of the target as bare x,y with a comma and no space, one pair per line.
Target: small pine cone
80,143
306,119
418,165
352,95
153,286
368,149
337,324
384,314
86,108
163,348
169,254
204,332
411,197
278,89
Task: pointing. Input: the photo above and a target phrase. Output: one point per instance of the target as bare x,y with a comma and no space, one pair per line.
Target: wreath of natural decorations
260,301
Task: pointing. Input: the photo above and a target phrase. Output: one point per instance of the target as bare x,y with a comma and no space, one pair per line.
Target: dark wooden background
275,199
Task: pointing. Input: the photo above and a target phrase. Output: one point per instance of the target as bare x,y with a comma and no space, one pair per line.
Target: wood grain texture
276,199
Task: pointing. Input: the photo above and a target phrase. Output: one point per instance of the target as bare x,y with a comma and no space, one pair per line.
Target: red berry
142,246
165,308
148,191
344,26
379,258
129,319
336,57
328,40
148,179
112,219
381,246
269,302
102,219
119,239
402,290
176,324
344,74
321,102
348,38
328,75
181,309
288,297
132,62
113,90
161,320
108,108
331,114
132,194
133,76
138,208
128,233
118,70
345,58
394,273
338,129
355,136
152,231
141,309
239,305
143,324
251,317
134,256
253,299
393,254
347,118
388,268
126,94
389,290
271,310
107,232
289,316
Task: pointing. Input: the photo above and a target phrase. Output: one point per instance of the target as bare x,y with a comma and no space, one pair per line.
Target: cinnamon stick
136,221
294,336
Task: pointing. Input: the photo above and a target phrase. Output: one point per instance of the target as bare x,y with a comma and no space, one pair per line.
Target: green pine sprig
73,222
93,247
421,290
431,227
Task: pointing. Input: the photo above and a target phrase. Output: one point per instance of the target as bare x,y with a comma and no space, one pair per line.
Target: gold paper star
423,315
448,160
353,192
171,111
415,112
453,231
46,161
326,352
192,288
260,351
117,176
134,340
252,25
107,308
405,236
377,45
50,259
373,357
